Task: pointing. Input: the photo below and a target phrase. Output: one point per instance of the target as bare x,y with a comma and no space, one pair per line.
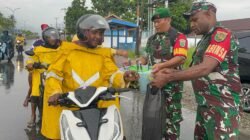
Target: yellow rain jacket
44,56
77,66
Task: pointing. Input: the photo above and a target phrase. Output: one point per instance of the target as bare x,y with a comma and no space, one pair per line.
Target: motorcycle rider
37,65
20,43
80,65
8,40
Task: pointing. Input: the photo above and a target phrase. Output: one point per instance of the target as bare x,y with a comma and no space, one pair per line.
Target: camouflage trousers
173,115
217,123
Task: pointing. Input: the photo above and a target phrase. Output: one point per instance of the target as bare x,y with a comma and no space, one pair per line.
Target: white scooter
90,122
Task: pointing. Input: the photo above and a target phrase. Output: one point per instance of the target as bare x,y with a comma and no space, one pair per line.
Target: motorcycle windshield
84,96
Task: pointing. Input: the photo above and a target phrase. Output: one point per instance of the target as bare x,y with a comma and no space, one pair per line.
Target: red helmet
44,26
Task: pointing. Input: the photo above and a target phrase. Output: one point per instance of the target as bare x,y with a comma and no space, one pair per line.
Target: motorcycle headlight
65,129
117,126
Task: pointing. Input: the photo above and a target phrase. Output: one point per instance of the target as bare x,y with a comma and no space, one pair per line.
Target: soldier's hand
168,70
130,76
160,79
53,99
157,67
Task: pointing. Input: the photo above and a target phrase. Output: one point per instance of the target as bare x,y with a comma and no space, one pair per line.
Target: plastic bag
153,121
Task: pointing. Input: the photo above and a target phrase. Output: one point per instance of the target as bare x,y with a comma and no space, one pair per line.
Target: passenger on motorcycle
37,65
79,65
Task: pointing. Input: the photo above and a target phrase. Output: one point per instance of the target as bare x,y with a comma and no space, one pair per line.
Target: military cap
199,6
161,13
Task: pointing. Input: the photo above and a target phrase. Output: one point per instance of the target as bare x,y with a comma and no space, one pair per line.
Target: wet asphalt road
14,117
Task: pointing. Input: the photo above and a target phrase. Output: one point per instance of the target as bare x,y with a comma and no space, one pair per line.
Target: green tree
74,12
177,8
125,9
29,34
6,23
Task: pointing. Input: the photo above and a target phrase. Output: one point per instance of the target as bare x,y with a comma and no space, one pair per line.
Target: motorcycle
3,48
19,47
90,122
6,53
9,50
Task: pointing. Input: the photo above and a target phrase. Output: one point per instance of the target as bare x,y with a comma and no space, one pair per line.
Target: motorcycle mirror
30,53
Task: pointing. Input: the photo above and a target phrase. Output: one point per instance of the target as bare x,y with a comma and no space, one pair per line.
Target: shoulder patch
220,36
182,42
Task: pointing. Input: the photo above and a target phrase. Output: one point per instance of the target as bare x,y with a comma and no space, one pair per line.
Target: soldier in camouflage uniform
168,49
214,75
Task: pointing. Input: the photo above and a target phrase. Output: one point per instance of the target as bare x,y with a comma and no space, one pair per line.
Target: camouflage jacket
222,86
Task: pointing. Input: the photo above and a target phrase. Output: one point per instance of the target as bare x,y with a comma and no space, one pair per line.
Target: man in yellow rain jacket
20,38
37,64
81,64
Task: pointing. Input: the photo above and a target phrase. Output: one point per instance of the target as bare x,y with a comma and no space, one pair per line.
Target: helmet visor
93,22
51,34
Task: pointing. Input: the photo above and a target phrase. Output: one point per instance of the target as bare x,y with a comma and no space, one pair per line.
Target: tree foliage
74,12
6,23
127,10
177,9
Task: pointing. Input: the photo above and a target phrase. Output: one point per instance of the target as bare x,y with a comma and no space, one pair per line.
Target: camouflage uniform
217,94
160,48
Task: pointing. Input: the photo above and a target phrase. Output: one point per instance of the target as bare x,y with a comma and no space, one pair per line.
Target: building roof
237,25
116,22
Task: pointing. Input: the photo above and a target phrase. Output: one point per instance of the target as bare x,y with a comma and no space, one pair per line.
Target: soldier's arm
179,52
197,71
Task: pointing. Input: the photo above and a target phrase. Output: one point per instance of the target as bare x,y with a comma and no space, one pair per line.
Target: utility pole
13,15
137,46
56,18
64,29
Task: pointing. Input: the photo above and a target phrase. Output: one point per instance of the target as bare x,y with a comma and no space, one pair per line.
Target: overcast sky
33,13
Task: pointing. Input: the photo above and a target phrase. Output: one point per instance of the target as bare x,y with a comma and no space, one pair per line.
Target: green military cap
199,6
161,13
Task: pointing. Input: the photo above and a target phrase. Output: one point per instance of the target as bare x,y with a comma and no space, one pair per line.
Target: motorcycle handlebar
117,90
122,90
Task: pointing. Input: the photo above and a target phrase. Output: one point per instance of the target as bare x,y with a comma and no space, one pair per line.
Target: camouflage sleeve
219,44
181,46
